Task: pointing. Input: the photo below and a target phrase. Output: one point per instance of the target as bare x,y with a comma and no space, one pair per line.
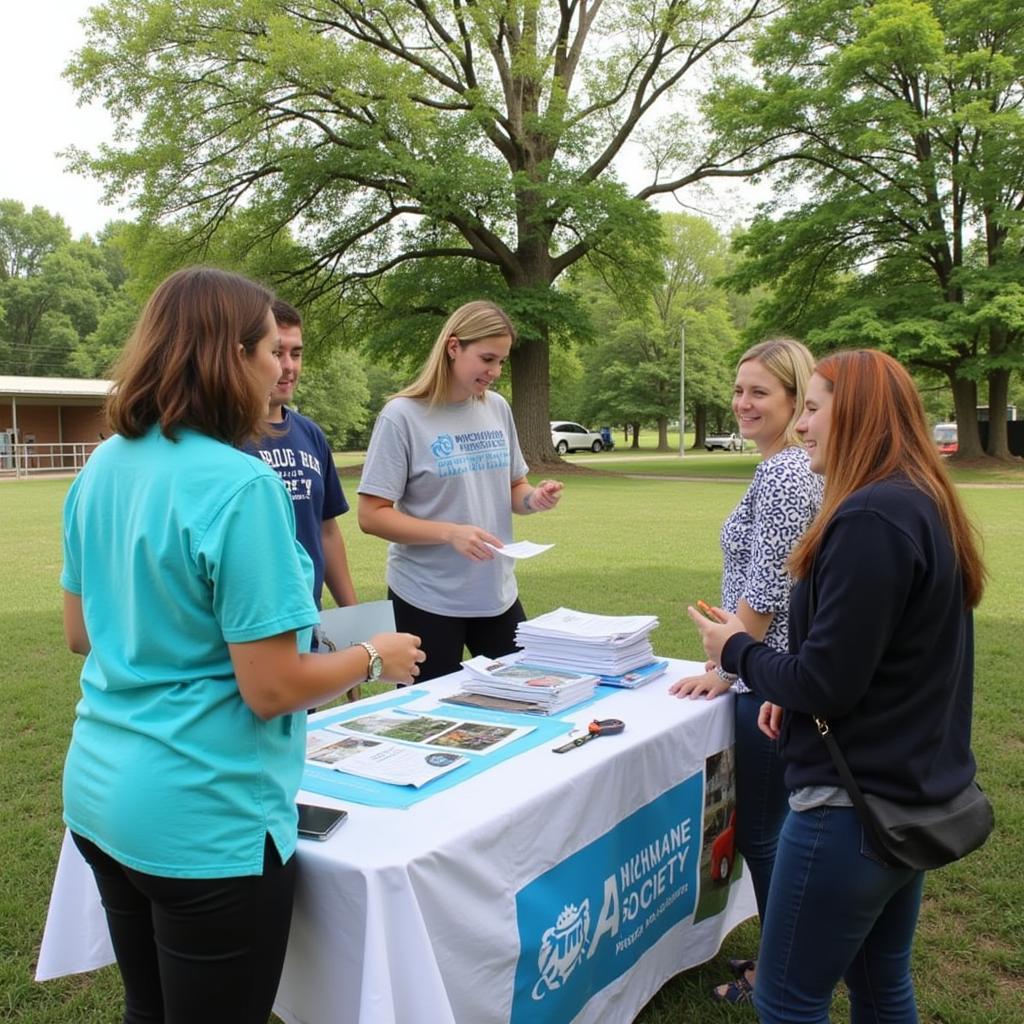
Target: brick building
49,423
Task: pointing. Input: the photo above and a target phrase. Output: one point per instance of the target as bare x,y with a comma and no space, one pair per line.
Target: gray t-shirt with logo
453,463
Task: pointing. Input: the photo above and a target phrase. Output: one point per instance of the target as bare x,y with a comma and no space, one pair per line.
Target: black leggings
196,950
444,636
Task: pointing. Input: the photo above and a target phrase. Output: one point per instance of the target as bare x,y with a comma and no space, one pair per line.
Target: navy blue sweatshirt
887,657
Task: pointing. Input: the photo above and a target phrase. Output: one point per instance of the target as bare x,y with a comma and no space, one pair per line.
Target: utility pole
682,386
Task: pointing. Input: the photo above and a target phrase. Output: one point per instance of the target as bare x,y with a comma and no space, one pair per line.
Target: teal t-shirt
178,549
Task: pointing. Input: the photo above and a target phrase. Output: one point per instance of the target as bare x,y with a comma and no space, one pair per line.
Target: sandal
736,993
740,967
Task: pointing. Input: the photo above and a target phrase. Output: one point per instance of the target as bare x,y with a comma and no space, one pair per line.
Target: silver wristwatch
376,666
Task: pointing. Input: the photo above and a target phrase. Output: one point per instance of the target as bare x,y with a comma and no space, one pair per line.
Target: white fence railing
24,460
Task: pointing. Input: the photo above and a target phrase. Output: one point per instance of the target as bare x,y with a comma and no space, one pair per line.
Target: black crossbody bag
920,836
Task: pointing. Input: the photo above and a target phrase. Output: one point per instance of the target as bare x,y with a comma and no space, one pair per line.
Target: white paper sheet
389,762
521,549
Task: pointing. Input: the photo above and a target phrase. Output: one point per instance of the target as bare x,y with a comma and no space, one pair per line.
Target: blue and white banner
591,917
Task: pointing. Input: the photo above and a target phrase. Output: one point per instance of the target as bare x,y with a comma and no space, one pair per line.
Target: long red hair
878,429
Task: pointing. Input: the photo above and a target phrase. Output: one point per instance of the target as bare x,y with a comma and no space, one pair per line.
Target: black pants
196,950
444,636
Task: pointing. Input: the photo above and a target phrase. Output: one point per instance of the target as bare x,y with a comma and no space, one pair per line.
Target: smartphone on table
319,822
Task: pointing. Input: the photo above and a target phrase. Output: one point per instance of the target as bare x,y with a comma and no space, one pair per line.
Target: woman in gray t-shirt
442,477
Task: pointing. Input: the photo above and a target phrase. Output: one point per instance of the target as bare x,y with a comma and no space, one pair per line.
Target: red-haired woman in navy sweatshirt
881,635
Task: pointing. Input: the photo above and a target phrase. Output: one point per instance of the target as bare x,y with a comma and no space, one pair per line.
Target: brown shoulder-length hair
878,429
182,366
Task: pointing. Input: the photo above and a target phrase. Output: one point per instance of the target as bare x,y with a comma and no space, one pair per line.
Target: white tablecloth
537,891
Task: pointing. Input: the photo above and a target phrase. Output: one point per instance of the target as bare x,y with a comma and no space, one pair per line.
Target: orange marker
709,612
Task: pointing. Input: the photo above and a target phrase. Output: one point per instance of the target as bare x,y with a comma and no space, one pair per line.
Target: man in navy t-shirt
301,456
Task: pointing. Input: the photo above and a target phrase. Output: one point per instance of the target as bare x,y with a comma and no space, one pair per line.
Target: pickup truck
727,442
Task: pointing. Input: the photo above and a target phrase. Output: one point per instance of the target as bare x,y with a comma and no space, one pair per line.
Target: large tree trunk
662,433
998,445
700,425
636,435
965,401
529,362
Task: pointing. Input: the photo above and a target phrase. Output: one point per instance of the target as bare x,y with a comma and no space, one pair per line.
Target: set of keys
598,727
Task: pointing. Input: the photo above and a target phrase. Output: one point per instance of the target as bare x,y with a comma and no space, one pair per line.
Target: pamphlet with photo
405,748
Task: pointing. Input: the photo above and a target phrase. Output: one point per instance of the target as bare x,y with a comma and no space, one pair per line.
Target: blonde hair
878,429
791,364
468,324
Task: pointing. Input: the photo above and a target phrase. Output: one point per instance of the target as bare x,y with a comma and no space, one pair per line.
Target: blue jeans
836,911
762,800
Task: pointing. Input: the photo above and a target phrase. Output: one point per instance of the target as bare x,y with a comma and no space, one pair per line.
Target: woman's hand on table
709,684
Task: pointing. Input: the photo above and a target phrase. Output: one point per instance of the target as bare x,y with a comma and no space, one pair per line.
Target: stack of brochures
543,689
606,645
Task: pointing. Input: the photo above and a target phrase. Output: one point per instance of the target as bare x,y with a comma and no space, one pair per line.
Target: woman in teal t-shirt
186,591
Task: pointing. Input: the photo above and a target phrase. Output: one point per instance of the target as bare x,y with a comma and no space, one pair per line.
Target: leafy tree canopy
26,236
633,374
333,391
55,296
401,132
898,216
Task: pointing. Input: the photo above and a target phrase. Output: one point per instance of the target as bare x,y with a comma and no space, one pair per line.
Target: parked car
723,851
571,437
727,442
946,438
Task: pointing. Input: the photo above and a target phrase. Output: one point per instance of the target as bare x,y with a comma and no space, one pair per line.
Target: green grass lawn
647,460
622,545
694,465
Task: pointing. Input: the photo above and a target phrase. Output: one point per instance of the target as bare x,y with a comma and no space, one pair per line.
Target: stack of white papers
606,645
549,689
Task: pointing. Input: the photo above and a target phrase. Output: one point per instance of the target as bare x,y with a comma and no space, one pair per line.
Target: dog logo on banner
562,947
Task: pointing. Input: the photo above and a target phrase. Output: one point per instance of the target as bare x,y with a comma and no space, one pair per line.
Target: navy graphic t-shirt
301,457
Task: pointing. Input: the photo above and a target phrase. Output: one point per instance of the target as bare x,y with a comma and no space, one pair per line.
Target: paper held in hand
521,549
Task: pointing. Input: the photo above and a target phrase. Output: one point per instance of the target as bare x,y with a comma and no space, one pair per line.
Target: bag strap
845,775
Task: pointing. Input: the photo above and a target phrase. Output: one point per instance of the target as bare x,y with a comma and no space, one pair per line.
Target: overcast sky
40,117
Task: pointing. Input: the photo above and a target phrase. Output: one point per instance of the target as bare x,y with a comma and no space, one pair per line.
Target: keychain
598,727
